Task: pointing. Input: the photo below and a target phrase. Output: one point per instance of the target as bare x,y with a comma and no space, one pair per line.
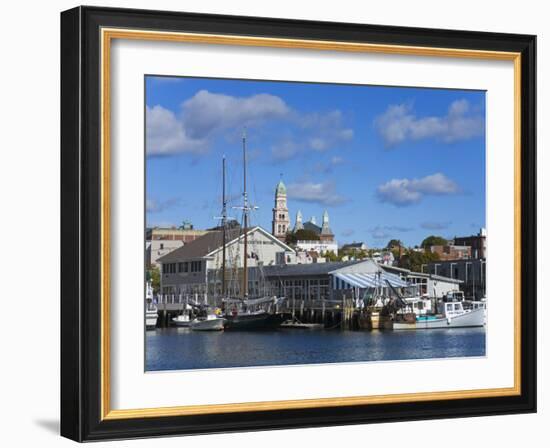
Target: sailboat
246,313
151,311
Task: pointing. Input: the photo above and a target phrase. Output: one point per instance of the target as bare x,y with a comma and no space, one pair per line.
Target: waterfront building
318,246
452,252
471,272
430,284
478,243
160,241
185,270
281,220
155,249
330,281
185,233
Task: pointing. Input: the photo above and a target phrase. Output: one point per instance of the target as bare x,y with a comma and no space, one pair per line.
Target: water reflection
181,348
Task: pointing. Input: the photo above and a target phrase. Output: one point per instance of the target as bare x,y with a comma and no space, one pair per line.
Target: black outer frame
80,223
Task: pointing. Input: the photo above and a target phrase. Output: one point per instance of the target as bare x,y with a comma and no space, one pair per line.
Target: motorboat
296,324
254,320
450,314
151,310
181,320
210,322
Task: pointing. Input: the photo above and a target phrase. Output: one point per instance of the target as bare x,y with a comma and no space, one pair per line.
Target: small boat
211,322
451,314
254,320
151,310
477,304
297,325
182,320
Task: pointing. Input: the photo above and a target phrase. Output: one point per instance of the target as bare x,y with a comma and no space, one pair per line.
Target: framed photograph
273,223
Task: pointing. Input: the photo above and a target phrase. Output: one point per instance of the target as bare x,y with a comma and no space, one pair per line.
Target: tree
154,276
331,256
433,240
414,260
394,243
301,235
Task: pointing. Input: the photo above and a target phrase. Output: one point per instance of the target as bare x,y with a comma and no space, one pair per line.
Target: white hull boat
182,320
151,311
452,315
151,317
210,323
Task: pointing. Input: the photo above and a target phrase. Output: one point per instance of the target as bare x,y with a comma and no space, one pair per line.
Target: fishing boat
208,321
244,313
477,304
151,310
296,324
183,319
450,314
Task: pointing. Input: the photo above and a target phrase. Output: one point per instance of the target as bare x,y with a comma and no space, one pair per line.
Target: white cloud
208,112
403,192
154,206
327,129
286,149
204,116
435,225
347,232
166,134
321,193
380,233
384,232
399,124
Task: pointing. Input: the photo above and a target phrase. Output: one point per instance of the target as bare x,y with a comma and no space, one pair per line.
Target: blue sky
385,162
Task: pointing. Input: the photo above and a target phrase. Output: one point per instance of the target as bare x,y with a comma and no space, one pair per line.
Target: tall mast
245,222
224,225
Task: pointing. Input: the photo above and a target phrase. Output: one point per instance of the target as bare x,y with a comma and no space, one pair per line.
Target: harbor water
182,348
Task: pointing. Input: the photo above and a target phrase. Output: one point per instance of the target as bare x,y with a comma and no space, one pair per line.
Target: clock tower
281,221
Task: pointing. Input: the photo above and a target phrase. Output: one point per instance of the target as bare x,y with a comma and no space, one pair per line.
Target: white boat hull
151,320
473,318
207,325
181,323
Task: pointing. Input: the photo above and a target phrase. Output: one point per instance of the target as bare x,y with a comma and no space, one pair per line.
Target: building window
196,266
169,268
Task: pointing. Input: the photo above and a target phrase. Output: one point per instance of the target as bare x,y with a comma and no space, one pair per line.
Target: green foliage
331,256
433,240
154,275
301,235
414,260
394,243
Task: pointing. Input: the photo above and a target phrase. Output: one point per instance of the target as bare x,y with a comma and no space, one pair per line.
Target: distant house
452,252
478,243
471,272
185,270
354,247
159,241
384,257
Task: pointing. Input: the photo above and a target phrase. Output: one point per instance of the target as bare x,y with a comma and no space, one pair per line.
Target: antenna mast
224,225
245,222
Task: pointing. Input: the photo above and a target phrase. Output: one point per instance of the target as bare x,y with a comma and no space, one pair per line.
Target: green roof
281,188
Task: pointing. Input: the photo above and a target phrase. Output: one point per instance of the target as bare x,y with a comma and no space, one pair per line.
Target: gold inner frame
107,35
